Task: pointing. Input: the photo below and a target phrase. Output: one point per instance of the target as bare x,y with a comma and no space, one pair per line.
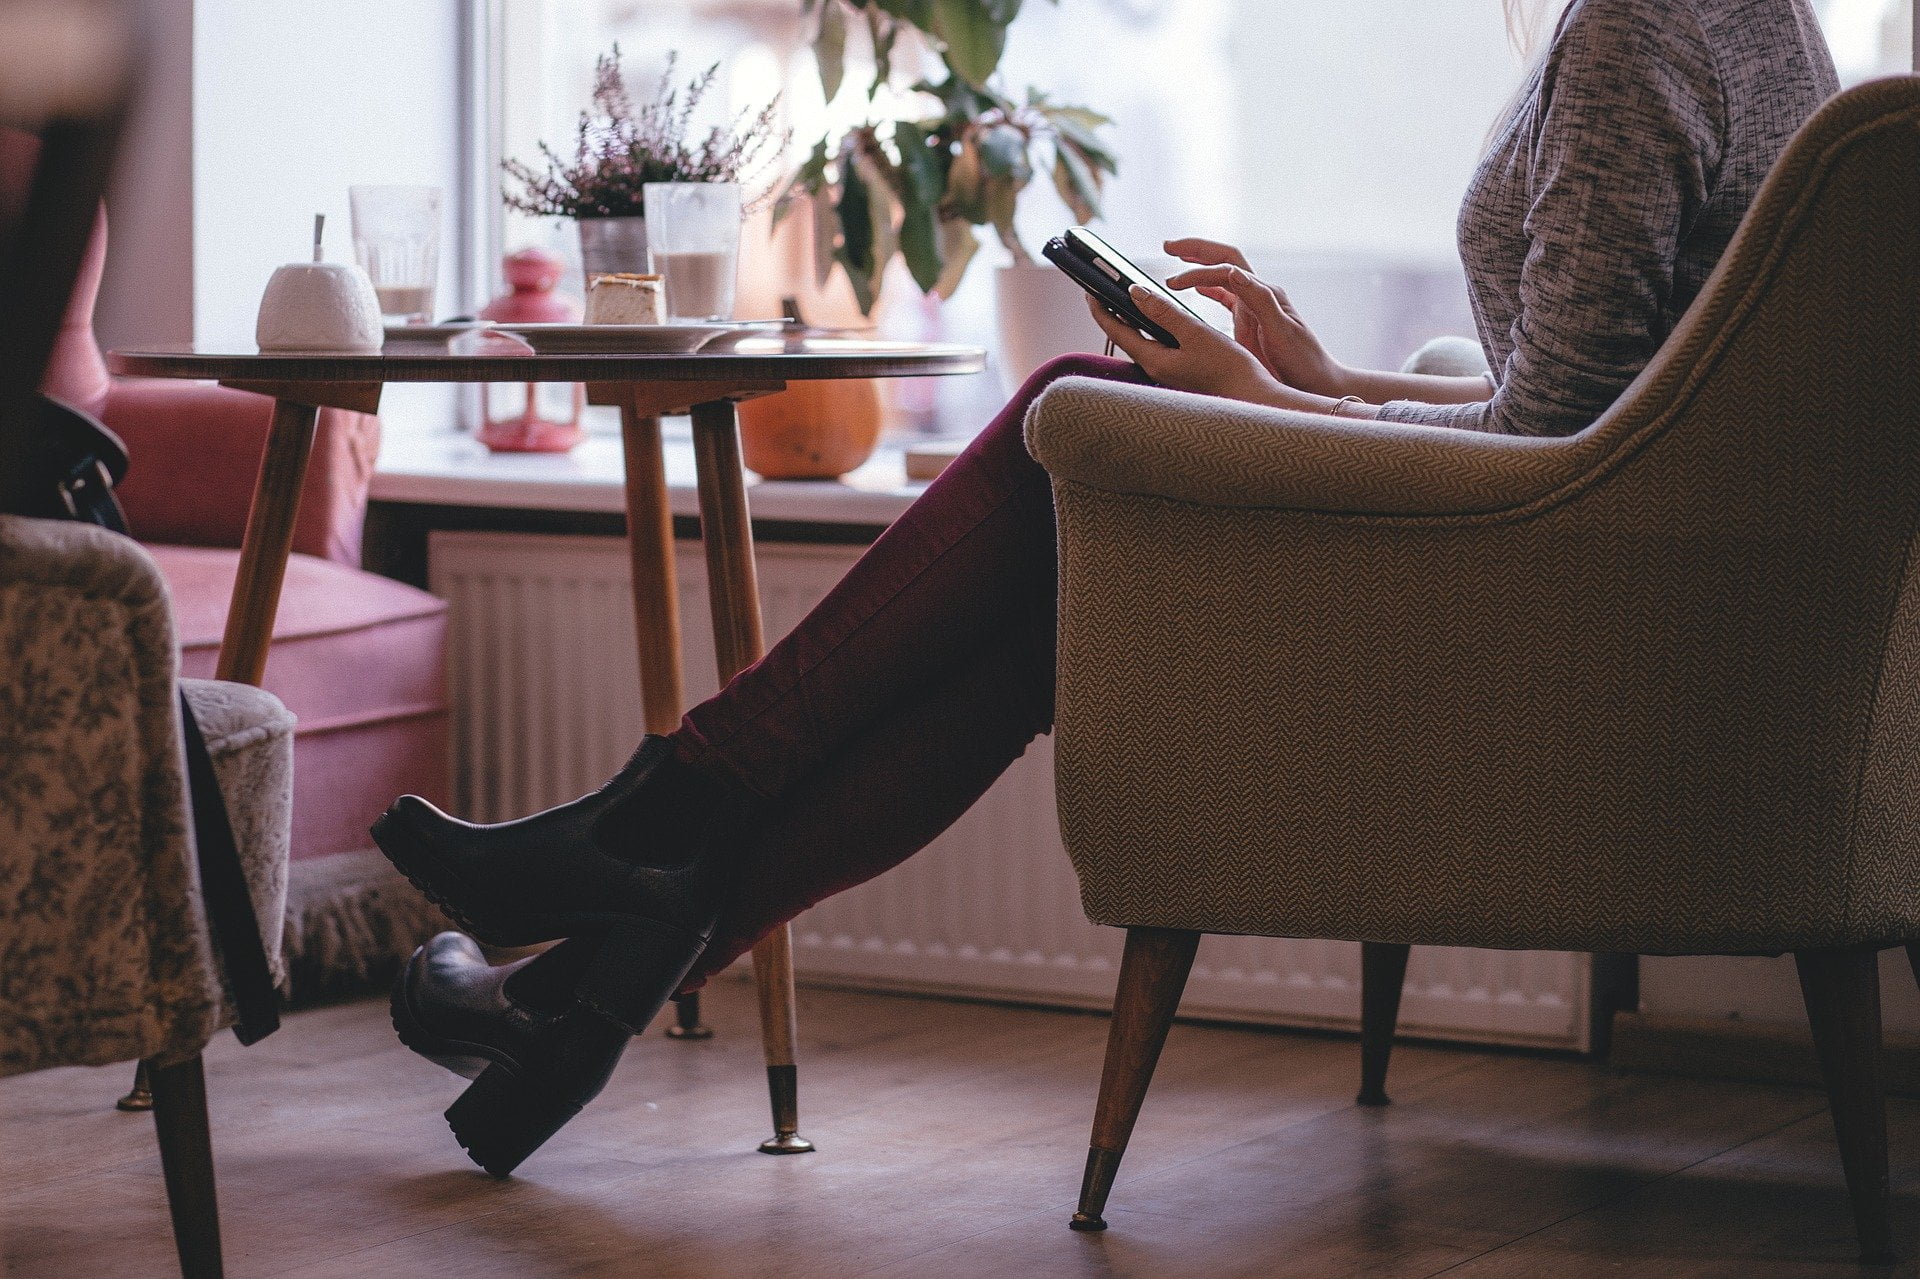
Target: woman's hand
1207,361
1264,321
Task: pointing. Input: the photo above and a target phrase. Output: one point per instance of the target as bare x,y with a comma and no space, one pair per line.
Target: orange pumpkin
811,430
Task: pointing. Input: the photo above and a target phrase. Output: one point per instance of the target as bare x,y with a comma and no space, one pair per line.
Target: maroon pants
903,695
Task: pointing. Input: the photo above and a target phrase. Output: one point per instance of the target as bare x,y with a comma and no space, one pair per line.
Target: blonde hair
1527,22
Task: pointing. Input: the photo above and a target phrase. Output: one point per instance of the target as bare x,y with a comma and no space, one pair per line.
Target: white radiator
547,706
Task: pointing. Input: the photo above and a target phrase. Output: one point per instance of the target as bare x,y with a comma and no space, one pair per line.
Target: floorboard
951,1137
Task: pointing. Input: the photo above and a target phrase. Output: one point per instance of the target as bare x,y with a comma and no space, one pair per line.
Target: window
1332,141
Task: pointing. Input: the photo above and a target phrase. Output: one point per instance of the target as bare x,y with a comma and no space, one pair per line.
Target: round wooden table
643,387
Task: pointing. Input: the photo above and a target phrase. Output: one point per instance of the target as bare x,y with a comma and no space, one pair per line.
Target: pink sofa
358,658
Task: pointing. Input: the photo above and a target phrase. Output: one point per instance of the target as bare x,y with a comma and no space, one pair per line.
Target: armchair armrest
100,937
196,451
1148,441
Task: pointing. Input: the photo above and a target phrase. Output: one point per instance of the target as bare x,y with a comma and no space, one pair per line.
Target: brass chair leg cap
1084,1221
786,1143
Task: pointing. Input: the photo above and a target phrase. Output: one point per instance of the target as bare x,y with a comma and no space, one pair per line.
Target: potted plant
920,187
620,147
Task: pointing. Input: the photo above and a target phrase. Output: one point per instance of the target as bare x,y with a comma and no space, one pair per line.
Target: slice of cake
624,298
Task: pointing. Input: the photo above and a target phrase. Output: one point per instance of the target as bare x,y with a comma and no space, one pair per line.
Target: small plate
617,339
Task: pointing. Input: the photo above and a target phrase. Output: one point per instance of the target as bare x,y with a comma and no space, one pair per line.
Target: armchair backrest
1669,704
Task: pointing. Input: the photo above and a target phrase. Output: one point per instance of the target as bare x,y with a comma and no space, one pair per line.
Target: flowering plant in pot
620,146
921,187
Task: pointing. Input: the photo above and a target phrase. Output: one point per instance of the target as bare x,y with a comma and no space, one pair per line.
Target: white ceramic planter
319,306
1042,314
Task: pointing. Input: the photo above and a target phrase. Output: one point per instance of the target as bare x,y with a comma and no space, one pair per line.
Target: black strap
223,886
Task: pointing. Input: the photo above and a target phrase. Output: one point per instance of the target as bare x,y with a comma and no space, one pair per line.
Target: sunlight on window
1869,37
1333,141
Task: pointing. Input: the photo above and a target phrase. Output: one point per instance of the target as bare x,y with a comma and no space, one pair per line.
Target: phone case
1109,292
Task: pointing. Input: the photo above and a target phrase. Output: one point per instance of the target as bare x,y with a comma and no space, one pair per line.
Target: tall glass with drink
396,237
693,239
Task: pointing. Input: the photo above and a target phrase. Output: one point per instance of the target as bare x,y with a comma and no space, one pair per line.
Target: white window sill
435,465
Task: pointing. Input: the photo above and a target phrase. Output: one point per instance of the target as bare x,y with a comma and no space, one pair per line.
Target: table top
750,360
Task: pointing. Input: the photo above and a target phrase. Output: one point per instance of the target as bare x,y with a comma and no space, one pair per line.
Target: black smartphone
1105,272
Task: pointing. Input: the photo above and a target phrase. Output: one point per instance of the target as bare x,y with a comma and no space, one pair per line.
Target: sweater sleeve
1624,144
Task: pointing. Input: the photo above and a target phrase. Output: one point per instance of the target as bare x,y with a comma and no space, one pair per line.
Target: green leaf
918,13
809,179
830,48
856,219
826,230
880,188
1077,185
1002,198
924,163
920,243
1003,153
958,244
966,185
973,36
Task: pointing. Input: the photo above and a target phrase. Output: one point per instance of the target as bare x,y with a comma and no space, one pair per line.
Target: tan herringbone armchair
1652,688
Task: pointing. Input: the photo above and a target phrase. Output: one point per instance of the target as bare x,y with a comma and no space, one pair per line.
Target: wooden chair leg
1842,990
1152,974
1383,971
186,1158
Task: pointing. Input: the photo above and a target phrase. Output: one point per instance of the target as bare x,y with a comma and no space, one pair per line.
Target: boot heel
502,1118
635,970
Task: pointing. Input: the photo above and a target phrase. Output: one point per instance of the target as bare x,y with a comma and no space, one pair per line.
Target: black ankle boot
535,1056
626,869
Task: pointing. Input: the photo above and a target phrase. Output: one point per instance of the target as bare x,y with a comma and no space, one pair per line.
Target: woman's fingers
1245,288
1121,335
1207,252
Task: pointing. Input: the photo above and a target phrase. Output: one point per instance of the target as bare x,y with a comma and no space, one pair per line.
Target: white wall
291,105
257,117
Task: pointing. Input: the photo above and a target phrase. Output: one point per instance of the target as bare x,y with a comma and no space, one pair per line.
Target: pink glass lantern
539,417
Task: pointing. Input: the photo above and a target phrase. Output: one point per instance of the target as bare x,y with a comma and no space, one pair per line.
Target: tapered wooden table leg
269,540
738,643
656,610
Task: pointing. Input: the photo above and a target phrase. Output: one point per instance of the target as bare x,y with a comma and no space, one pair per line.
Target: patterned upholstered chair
1653,688
196,451
104,950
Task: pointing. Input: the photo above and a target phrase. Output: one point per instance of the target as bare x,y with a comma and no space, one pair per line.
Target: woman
1608,192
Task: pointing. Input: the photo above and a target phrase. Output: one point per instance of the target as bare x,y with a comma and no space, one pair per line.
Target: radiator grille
546,706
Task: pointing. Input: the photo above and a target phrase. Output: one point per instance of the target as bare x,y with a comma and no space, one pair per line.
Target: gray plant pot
612,245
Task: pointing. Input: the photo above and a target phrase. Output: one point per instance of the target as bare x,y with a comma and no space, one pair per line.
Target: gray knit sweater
1606,200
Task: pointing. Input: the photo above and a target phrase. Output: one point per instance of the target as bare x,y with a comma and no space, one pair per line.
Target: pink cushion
196,453
359,659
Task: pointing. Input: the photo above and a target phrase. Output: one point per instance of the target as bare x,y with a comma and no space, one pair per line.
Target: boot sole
502,1118
638,962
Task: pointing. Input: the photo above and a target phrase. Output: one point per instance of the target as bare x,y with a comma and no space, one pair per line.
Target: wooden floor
951,1139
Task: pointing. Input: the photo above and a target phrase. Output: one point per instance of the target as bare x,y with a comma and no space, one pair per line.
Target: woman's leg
970,562
891,789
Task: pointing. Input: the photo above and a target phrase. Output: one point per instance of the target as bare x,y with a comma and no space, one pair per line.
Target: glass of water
693,239
396,237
